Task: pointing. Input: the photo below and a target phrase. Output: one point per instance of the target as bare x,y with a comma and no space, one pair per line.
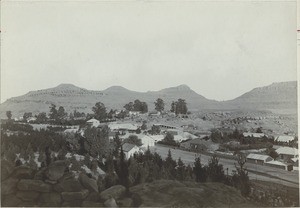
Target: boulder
111,202
71,196
116,192
126,202
50,198
93,196
70,185
23,172
6,169
9,186
28,195
10,201
91,204
40,175
56,170
33,185
88,183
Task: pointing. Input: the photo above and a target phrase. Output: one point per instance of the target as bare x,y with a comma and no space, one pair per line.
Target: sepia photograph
149,103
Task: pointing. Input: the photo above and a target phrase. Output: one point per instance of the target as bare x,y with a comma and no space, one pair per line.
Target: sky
219,49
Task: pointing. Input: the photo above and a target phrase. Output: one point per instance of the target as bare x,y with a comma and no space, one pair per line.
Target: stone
91,204
116,192
6,169
126,202
40,175
28,195
93,196
71,196
9,186
70,185
10,201
56,170
110,203
88,183
33,185
23,172
50,198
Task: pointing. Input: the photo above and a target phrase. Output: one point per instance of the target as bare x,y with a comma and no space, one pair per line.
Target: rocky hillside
281,95
275,96
75,98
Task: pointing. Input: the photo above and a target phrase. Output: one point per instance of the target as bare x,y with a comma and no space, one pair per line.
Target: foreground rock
165,193
33,185
116,192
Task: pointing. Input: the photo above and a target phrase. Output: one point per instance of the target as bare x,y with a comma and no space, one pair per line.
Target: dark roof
127,147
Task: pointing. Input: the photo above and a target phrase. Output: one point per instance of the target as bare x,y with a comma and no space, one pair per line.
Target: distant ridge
282,95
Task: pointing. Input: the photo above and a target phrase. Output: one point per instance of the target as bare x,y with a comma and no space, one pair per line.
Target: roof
127,147
287,151
258,157
274,162
284,138
93,120
255,135
128,126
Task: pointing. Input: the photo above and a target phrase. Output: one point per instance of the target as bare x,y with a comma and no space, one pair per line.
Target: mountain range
282,95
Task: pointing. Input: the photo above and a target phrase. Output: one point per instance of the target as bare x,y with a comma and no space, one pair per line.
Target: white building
253,135
286,153
258,159
93,122
284,138
147,141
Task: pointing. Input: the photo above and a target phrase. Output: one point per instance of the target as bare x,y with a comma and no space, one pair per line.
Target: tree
122,170
181,107
129,106
41,117
159,105
169,166
180,172
173,107
144,125
100,111
215,170
8,114
272,153
169,139
61,112
199,171
259,130
133,139
110,114
53,112
155,129
27,115
242,175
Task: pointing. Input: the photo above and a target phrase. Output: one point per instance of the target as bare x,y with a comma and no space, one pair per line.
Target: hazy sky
219,49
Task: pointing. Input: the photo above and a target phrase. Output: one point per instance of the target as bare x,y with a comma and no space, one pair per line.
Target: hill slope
275,96
281,95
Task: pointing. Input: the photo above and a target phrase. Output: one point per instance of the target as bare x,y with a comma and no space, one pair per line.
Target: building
258,159
154,113
130,149
253,135
157,138
280,165
147,141
286,153
93,122
284,138
165,126
134,113
123,128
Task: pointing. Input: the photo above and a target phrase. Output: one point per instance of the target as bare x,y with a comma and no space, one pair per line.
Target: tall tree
53,112
159,105
199,171
8,114
27,115
100,111
181,107
61,112
173,107
129,106
242,175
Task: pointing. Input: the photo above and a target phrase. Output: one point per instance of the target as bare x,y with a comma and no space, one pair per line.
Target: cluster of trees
179,107
57,114
137,105
169,140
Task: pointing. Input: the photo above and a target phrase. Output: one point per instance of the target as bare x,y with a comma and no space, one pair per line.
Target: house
147,141
284,138
134,113
130,149
31,119
71,131
280,165
164,126
122,128
154,113
253,135
157,138
93,122
286,153
258,159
